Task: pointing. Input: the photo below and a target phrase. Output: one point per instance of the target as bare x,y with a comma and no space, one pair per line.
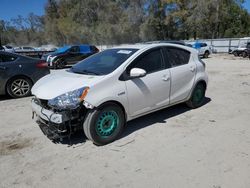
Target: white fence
223,45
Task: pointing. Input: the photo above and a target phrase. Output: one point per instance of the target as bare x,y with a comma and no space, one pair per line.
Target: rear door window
177,56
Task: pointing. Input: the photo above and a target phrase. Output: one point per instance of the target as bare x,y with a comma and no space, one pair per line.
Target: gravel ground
207,147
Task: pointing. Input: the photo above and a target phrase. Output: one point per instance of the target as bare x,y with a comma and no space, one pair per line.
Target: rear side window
93,49
203,44
9,47
150,62
7,58
177,56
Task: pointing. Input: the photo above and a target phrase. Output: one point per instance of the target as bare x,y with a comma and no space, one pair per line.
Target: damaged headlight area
69,100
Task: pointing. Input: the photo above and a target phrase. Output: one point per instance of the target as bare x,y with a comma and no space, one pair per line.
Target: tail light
42,64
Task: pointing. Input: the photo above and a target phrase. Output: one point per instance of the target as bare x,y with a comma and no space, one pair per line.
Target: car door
6,67
183,72
151,91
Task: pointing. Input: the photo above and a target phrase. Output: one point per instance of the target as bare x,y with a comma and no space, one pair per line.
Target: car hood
57,84
241,48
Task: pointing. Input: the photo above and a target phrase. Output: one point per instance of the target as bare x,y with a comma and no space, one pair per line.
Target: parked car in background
248,49
69,55
203,49
19,73
104,91
24,48
241,49
8,48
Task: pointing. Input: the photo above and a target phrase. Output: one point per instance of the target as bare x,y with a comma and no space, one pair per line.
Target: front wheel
197,97
105,124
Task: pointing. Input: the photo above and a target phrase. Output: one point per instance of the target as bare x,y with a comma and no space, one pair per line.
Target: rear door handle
192,69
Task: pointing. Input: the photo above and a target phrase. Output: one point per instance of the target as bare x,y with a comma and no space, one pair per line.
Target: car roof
15,55
70,45
166,41
7,53
141,46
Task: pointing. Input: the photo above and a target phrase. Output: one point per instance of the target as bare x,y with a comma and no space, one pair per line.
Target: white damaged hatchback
101,93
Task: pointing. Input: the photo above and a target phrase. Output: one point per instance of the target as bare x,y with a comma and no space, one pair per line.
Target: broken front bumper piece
56,125
48,115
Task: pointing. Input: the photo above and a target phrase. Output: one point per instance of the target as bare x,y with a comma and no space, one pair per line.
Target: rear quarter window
177,56
203,44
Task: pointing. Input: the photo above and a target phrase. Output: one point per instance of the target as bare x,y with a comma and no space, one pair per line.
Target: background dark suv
69,55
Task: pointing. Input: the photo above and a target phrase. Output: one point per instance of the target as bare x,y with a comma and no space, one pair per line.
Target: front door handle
165,78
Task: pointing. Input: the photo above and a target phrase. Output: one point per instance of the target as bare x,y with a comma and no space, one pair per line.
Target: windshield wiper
89,72
79,71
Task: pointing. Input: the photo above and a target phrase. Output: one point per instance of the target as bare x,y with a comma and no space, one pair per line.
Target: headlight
70,99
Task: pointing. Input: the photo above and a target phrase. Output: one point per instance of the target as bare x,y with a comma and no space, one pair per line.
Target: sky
12,8
246,5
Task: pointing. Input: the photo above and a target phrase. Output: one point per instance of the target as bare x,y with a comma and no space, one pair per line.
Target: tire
60,63
244,54
206,54
19,87
103,125
235,54
54,65
197,98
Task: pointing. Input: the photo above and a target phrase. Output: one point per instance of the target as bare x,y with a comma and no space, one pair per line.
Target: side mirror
137,73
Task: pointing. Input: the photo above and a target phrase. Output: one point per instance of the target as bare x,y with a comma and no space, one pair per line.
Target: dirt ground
207,147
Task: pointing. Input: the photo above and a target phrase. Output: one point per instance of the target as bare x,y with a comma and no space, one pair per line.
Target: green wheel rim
107,123
198,96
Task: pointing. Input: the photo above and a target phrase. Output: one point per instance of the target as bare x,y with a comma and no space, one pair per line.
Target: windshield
104,62
63,49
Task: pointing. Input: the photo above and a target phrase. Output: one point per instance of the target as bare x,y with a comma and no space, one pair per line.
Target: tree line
127,21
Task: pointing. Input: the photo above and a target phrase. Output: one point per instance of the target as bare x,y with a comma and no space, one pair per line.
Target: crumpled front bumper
55,125
48,115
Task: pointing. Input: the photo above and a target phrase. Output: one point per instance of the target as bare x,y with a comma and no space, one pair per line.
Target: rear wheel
19,87
105,124
235,54
197,97
206,54
244,54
